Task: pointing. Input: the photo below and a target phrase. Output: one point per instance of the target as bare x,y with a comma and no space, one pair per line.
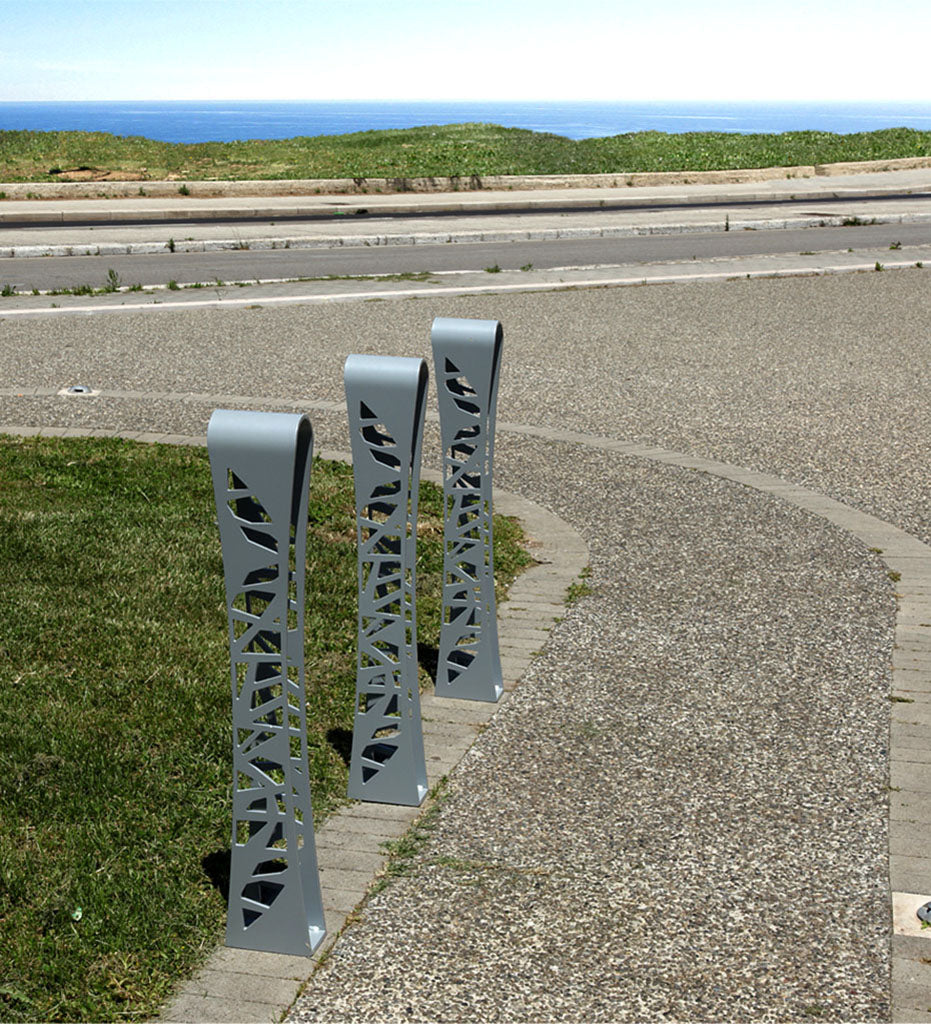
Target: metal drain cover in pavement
78,389
924,912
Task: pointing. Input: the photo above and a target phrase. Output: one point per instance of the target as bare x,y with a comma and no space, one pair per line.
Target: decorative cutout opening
249,509
267,574
380,753
271,867
386,459
253,602
378,434
460,386
264,540
262,892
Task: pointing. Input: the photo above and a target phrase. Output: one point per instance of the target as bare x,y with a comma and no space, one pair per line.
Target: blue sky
470,49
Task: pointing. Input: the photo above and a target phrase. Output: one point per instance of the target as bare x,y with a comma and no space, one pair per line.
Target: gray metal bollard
467,359
260,464
385,398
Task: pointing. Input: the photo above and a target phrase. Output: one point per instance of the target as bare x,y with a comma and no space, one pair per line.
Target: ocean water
226,121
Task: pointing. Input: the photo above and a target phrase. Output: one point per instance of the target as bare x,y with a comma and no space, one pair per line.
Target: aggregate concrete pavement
685,809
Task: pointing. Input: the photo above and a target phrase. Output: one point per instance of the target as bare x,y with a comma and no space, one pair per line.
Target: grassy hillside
431,151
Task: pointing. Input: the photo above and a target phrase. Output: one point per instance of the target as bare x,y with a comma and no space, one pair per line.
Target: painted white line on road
407,293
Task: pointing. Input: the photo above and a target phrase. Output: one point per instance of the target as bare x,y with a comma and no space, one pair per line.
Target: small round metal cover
79,389
924,912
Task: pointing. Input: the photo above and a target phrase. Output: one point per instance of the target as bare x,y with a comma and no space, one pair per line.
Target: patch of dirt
98,174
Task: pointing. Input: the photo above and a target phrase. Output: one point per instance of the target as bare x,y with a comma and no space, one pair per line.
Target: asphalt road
45,273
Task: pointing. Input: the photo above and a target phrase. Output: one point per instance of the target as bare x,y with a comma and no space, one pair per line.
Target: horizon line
435,102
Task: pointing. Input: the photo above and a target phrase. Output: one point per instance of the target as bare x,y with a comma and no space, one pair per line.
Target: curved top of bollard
472,346
394,376
452,330
258,433
270,443
396,384
455,331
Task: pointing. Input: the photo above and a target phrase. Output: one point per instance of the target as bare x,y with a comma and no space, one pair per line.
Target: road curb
439,238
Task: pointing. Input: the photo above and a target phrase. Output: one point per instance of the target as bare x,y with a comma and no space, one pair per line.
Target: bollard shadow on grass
428,657
216,867
341,741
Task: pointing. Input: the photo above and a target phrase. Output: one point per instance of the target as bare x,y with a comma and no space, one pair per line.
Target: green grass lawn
461,150
115,736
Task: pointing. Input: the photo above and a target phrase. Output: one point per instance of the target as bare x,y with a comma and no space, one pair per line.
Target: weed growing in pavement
494,269
184,191
402,851
171,245
879,266
580,588
896,245
173,285
113,281
407,275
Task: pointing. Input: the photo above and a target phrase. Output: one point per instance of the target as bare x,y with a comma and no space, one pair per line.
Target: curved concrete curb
229,986
456,183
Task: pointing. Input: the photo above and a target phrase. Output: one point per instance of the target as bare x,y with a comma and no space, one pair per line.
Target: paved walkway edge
240,986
